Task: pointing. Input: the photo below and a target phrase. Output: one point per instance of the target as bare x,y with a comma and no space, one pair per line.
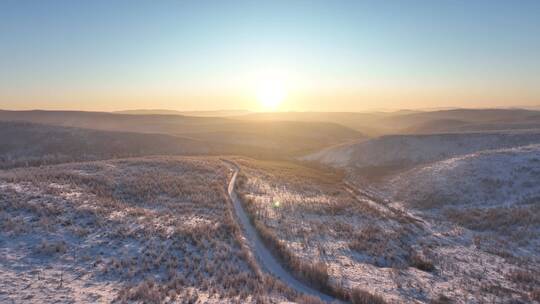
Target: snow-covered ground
460,225
148,230
404,256
395,150
508,176
493,191
264,256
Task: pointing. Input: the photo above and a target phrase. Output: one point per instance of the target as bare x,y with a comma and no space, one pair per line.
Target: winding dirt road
263,255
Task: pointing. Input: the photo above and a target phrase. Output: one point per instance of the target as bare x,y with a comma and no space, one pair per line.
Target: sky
268,55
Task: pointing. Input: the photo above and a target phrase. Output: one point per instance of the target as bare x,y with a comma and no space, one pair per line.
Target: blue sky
331,55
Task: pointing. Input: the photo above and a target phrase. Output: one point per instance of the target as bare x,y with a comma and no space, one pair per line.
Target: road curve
263,255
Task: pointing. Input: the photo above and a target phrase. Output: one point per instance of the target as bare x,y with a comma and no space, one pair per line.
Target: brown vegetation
301,192
162,228
359,296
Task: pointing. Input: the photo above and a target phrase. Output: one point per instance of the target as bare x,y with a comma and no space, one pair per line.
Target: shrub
535,294
523,276
316,274
146,292
51,248
368,238
360,296
305,299
442,299
421,262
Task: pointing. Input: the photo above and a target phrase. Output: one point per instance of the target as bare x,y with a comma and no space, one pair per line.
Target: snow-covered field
493,191
148,230
398,253
508,176
458,223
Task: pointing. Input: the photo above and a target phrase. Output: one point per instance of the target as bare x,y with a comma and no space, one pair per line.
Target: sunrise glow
270,95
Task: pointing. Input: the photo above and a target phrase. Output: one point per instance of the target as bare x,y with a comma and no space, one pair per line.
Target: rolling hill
488,178
217,113
406,150
28,144
278,138
414,122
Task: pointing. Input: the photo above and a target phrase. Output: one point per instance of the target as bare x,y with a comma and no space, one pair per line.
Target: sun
270,95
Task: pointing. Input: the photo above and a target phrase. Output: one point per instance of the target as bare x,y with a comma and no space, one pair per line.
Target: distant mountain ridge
271,137
216,113
411,122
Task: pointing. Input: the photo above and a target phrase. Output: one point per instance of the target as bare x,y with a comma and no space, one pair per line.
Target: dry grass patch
158,229
360,296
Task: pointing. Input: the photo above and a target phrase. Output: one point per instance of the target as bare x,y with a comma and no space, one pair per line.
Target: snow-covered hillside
493,177
460,254
494,193
416,149
140,230
479,192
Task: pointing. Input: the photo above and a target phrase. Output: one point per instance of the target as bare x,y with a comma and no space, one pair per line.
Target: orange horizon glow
264,99
277,56
274,56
